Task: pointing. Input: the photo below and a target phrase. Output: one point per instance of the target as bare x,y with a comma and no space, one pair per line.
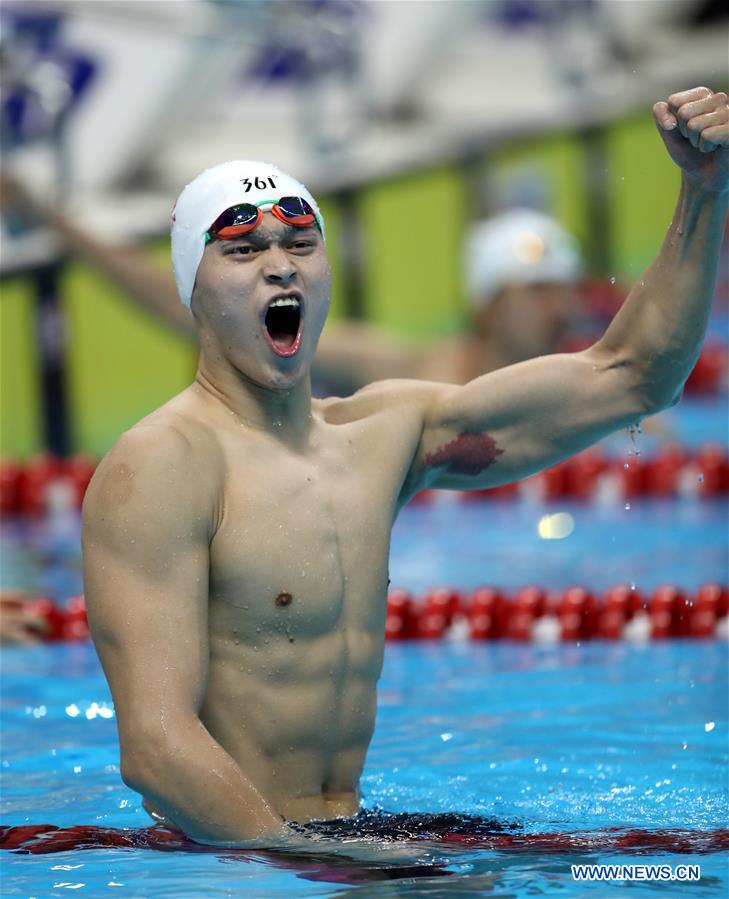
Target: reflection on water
560,752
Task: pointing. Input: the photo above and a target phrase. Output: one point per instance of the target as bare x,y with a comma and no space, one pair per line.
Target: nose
278,268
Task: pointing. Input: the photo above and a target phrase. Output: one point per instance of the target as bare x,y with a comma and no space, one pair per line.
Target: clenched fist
694,126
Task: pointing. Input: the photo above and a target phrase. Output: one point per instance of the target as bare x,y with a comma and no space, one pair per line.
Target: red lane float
531,614
44,839
60,622
590,476
711,372
35,487
535,615
46,482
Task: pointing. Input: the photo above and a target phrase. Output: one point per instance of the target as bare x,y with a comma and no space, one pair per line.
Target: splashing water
633,431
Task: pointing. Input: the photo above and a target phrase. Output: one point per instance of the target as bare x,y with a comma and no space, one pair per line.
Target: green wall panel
122,363
20,412
412,235
644,185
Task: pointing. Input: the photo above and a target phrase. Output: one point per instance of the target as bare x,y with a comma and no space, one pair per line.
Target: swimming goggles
242,219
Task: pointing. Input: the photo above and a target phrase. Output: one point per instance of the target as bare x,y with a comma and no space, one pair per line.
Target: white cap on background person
519,246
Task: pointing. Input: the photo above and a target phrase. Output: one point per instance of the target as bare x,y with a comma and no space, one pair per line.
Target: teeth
284,301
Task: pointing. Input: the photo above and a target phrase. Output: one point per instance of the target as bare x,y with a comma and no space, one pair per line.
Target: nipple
284,599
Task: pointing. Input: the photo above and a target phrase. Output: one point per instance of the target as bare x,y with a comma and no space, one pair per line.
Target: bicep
512,422
146,553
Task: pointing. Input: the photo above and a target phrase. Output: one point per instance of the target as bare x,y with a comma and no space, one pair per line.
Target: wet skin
236,540
301,676
297,497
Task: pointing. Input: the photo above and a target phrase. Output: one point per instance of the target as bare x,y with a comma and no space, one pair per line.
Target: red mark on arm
468,454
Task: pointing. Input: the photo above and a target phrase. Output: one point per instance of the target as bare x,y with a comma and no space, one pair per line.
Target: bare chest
302,549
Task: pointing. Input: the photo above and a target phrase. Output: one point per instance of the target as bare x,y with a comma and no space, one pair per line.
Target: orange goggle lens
242,219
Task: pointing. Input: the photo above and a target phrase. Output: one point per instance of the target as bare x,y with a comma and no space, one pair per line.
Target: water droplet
612,279
626,464
627,506
701,479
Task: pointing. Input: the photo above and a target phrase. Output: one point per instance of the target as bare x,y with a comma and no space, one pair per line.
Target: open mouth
283,324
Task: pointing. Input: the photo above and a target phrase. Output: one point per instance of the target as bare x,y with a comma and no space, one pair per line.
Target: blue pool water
548,739
466,545
554,739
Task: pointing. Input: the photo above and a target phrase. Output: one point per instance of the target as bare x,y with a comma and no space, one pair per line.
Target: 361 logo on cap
258,183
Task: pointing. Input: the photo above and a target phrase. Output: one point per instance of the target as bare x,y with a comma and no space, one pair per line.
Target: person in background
520,270
19,623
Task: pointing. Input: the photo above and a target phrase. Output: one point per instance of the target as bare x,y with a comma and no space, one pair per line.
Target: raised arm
147,521
147,284
510,423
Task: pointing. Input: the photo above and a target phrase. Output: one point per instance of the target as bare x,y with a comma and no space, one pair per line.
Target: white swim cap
518,246
210,194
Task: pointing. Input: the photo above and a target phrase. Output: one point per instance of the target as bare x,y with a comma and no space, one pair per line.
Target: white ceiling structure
339,92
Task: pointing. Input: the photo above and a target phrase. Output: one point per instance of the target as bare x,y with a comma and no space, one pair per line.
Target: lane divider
44,484
47,484
531,614
593,477
66,621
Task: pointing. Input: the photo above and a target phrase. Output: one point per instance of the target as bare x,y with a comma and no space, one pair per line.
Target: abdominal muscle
297,719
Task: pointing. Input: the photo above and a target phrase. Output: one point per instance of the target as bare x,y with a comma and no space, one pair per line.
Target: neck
285,414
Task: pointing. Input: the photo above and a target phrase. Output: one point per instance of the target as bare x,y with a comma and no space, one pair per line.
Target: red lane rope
592,476
42,839
47,483
539,615
530,614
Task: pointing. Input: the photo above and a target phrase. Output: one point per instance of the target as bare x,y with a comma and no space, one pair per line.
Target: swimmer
521,267
19,622
236,540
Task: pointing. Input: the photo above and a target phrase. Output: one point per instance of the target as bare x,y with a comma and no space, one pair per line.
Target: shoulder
166,458
401,396
181,430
